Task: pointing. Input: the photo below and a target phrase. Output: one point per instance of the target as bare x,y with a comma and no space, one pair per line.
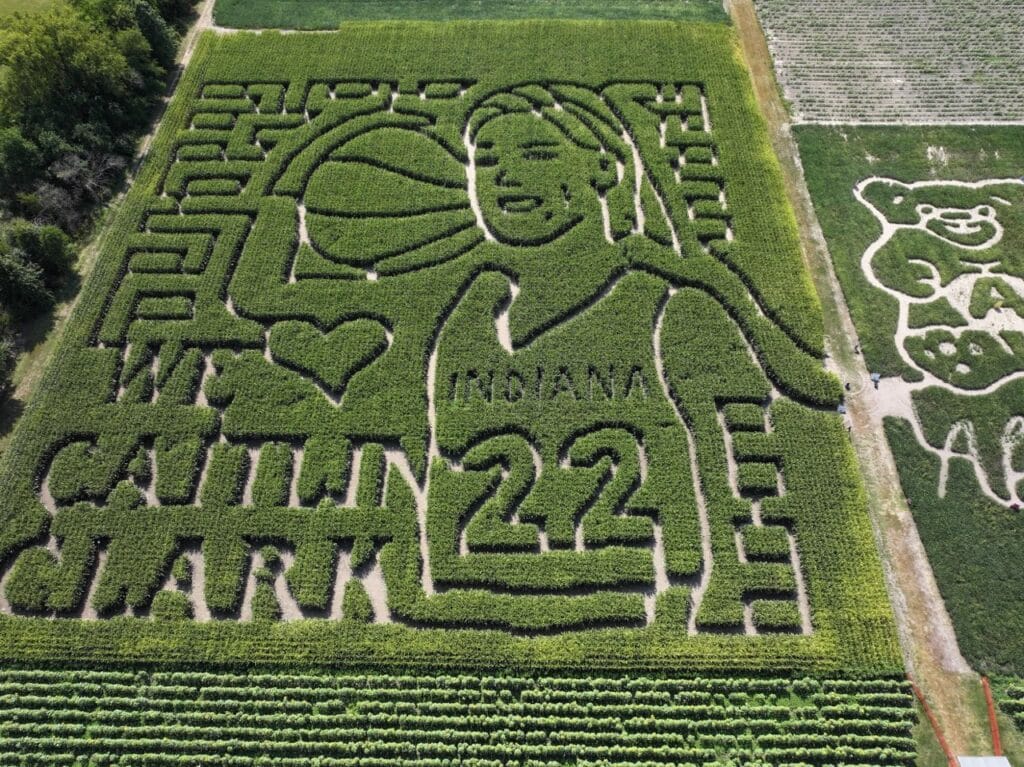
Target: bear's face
956,247
964,214
976,227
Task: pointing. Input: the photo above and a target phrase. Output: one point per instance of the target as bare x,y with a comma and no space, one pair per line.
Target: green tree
162,39
61,69
23,291
175,12
20,160
139,32
8,355
45,246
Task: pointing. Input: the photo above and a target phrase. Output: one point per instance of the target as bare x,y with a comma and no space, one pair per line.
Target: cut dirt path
926,632
204,22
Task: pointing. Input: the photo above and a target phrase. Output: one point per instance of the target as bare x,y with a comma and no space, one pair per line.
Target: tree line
78,85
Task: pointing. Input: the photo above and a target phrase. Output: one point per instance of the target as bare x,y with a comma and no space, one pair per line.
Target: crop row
878,61
179,718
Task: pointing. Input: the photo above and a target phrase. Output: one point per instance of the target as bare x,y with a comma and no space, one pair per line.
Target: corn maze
378,356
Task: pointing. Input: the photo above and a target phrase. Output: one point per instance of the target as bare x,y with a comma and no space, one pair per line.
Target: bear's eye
927,210
985,210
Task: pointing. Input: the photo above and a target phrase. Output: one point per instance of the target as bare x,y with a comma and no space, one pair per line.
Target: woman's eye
540,154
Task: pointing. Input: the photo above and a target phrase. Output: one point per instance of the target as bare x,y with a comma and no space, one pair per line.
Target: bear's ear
1006,195
891,198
